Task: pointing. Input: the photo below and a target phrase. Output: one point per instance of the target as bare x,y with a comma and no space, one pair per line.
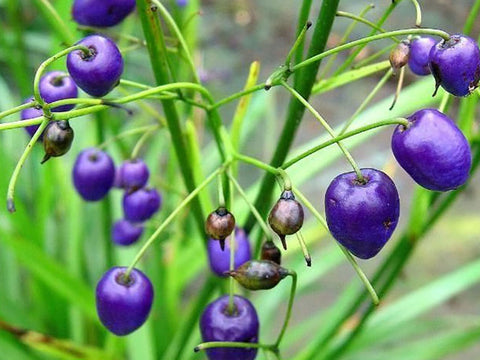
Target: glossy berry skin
31,113
123,304
220,259
93,174
419,55
259,274
141,205
102,13
99,72
455,64
271,252
432,150
126,233
57,85
57,139
133,174
362,216
216,324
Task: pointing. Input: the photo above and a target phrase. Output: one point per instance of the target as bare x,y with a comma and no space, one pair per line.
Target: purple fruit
220,259
217,324
98,72
419,55
362,216
133,174
455,64
31,113
93,174
182,3
102,13
123,304
57,85
141,205
432,150
126,233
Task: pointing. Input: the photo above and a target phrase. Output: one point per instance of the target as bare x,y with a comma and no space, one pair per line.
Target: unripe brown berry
400,54
57,139
286,217
271,252
220,224
259,274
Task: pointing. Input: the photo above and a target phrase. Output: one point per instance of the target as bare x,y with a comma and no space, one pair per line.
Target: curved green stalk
293,290
364,21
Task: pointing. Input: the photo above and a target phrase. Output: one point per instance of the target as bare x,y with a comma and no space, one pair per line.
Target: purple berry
432,150
220,259
123,304
419,52
98,72
217,324
102,13
57,85
362,216
31,113
93,174
141,205
133,174
455,64
182,3
126,233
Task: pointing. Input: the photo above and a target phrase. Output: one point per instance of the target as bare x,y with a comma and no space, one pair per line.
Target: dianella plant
149,216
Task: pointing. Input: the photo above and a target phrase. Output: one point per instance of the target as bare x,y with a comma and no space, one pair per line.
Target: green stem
374,56
17,109
169,219
302,20
350,258
369,39
293,290
237,95
396,121
472,17
141,142
327,127
418,10
257,163
56,21
18,167
364,21
232,344
300,40
367,100
138,130
231,292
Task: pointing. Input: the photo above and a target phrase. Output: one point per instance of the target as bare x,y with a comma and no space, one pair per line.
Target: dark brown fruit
57,139
259,274
220,224
271,252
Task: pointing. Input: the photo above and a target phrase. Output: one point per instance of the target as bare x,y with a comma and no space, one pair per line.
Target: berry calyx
103,13
362,216
242,325
93,174
400,54
126,233
220,224
271,252
455,65
98,72
432,150
123,304
57,85
286,216
57,139
419,55
141,205
219,259
259,274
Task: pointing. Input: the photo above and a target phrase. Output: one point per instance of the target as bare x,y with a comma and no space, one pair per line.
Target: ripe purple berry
432,150
103,13
217,324
31,113
286,217
133,174
455,64
141,205
123,304
419,55
98,72
93,174
57,85
125,233
362,216
57,139
220,259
